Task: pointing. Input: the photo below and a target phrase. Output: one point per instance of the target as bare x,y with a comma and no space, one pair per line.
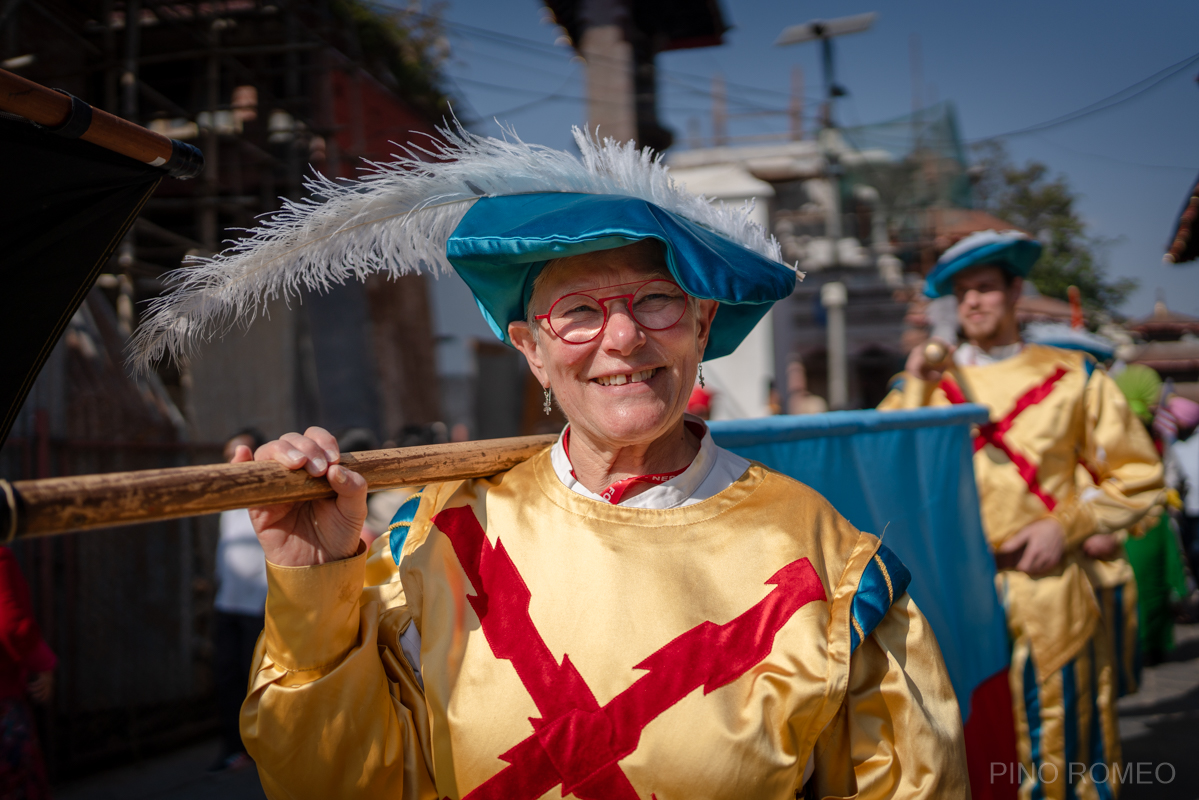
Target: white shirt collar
713,470
969,355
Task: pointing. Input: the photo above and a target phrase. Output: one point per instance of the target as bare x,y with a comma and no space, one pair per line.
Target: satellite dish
825,29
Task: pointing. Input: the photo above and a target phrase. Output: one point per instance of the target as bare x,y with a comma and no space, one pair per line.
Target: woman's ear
705,312
523,340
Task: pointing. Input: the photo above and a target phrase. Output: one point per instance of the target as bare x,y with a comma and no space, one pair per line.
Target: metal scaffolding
267,89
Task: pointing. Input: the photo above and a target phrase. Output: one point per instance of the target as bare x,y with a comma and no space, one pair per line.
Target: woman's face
658,367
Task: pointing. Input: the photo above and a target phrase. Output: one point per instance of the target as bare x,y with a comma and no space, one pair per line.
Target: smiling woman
619,347
548,629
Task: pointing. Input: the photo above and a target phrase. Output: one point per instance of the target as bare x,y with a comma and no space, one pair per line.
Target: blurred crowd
1165,559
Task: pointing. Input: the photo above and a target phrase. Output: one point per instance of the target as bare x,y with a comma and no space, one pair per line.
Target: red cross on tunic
993,433
576,743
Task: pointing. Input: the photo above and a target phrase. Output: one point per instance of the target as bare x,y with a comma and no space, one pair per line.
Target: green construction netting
916,161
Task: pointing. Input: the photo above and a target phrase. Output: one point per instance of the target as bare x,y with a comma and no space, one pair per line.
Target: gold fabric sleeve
1120,455
899,725
332,711
893,401
903,396
1077,519
913,393
312,613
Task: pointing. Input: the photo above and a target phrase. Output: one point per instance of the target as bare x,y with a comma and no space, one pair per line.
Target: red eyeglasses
579,317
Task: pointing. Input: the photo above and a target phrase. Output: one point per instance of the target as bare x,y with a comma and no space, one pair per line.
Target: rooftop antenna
825,31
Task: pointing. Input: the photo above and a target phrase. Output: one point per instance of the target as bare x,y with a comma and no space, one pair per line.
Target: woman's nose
622,333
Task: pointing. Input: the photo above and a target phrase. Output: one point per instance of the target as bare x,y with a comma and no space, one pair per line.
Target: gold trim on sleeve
886,577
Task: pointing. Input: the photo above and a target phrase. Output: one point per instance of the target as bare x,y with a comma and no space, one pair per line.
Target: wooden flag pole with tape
60,505
66,115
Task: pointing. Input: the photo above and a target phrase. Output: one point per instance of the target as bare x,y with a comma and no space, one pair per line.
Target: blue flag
907,477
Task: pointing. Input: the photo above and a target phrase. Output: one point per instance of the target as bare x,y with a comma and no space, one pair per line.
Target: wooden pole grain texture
75,503
47,107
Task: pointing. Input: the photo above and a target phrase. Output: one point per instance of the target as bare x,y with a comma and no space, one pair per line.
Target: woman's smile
626,378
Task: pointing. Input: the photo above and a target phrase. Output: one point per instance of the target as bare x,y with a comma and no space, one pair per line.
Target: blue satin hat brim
1016,256
502,244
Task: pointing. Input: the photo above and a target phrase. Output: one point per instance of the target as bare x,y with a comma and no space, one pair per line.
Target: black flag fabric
65,204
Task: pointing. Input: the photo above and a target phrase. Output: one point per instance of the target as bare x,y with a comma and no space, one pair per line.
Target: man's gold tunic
574,648
1062,443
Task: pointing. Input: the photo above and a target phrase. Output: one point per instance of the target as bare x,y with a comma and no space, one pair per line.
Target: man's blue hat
493,210
503,243
1014,251
1057,334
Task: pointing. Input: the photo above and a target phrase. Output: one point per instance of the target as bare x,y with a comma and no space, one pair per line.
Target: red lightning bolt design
576,742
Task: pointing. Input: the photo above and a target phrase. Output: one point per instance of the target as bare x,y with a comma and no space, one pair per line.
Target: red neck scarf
616,492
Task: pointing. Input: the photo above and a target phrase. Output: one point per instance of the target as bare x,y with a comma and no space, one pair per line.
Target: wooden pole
61,505
52,109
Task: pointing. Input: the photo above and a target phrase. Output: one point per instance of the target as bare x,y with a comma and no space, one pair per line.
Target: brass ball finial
936,355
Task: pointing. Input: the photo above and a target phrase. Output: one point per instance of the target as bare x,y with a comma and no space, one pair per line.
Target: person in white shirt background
239,605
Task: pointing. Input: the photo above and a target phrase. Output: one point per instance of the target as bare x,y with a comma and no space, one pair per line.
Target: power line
672,79
680,79
683,80
1112,100
679,76
549,98
513,89
1113,159
549,50
555,96
501,60
541,49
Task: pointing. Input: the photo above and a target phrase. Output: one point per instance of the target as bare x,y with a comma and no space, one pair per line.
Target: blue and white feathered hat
1014,251
494,210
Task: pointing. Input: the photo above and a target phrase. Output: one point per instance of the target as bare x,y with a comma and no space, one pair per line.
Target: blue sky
1005,65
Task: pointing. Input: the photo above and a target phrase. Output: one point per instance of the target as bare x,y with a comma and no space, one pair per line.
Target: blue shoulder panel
1088,363
884,579
397,531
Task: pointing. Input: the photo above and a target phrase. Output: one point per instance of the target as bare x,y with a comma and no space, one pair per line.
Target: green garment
1161,579
1142,386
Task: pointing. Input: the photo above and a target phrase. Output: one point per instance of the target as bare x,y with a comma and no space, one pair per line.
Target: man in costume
1061,467
634,612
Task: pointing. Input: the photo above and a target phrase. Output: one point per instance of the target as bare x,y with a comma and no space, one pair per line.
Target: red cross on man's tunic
993,433
576,742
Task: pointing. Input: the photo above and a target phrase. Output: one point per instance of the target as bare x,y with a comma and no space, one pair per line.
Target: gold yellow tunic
1062,443
573,648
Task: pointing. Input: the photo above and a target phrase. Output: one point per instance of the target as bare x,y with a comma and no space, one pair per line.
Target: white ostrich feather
397,219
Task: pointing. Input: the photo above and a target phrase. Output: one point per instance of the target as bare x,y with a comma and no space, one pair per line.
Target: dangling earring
546,406
701,376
